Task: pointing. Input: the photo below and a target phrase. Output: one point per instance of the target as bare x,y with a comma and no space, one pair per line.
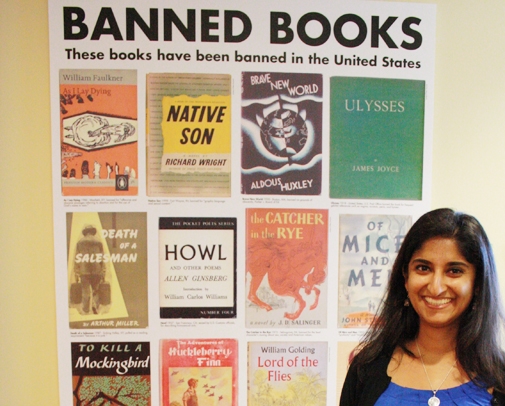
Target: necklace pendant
433,401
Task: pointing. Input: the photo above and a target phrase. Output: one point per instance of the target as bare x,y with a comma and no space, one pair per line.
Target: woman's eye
455,271
422,268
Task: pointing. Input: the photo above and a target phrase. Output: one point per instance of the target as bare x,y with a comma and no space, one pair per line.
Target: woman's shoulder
498,398
365,380
366,368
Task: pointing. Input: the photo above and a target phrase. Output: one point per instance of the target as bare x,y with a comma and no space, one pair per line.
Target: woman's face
440,283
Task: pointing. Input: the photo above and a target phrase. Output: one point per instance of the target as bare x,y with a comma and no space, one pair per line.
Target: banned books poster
232,176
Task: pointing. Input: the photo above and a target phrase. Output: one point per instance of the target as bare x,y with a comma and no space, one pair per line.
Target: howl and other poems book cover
281,133
111,373
287,373
376,138
286,268
107,270
198,266
368,245
99,133
189,135
199,372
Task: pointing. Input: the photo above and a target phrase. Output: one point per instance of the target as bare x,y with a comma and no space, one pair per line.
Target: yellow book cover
189,135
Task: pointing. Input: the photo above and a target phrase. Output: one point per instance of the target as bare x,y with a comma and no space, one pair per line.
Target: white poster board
255,127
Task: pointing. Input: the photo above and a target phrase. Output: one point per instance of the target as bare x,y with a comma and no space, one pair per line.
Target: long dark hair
478,346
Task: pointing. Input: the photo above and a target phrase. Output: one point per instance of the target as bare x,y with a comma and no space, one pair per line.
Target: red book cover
199,372
286,265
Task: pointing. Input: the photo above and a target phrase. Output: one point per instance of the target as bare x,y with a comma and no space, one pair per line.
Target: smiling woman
436,339
440,283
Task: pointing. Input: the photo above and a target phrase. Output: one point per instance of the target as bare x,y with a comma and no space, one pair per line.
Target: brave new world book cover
281,133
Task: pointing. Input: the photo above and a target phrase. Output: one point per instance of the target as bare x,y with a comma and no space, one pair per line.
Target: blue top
468,394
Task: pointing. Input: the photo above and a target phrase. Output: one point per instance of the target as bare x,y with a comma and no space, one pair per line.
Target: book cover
286,268
281,133
199,372
189,135
99,133
287,373
198,267
376,138
107,270
368,245
111,373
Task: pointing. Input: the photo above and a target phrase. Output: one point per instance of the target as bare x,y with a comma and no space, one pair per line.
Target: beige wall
468,169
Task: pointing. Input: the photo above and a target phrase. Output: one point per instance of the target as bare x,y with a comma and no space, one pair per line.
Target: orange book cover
286,265
199,372
98,132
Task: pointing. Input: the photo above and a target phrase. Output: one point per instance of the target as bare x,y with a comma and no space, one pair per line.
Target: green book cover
377,133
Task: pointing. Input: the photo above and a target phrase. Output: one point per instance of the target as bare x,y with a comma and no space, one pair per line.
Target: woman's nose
436,285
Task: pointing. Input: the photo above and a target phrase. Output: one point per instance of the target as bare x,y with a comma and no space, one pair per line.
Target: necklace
433,401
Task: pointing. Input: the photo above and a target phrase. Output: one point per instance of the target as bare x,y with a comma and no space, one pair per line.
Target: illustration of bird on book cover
281,133
99,134
111,373
199,372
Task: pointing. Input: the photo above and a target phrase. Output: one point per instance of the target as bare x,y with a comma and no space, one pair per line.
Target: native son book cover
111,373
286,268
198,263
376,138
98,132
189,135
199,372
287,373
281,133
107,270
368,245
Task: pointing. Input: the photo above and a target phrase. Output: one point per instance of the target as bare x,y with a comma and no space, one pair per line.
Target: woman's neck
437,342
